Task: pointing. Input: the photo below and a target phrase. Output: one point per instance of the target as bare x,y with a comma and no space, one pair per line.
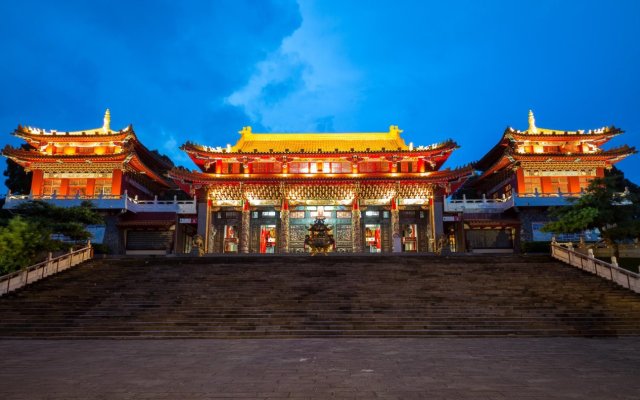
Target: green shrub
21,244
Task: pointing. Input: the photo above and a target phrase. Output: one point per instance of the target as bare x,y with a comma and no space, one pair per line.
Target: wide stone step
335,296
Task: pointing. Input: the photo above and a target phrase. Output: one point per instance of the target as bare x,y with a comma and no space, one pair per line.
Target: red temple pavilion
524,174
114,171
261,194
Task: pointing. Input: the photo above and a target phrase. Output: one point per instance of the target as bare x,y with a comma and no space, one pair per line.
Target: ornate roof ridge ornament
106,124
532,123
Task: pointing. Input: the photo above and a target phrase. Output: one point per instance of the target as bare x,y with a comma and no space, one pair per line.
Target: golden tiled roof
313,142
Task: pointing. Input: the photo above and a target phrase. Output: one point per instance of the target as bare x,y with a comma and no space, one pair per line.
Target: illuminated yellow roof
312,142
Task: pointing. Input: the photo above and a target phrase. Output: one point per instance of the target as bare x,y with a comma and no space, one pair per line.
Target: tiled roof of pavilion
359,142
511,137
312,142
101,134
130,151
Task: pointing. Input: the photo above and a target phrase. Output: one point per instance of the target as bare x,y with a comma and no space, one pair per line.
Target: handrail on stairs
50,266
587,262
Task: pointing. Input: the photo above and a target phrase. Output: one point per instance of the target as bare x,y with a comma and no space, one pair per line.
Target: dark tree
18,180
608,204
29,234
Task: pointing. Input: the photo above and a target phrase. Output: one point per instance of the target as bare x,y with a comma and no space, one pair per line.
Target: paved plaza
501,368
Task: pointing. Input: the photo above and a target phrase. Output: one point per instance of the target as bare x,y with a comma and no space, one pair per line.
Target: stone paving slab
506,368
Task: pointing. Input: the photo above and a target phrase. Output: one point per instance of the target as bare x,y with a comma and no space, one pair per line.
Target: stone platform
432,368
345,327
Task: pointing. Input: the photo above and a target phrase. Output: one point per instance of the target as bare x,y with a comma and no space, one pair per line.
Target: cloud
162,66
307,84
171,148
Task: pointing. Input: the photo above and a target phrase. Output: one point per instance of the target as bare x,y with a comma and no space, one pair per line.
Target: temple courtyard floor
426,368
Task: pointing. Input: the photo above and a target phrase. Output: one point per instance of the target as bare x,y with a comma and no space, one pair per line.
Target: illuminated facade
379,194
260,195
113,170
524,174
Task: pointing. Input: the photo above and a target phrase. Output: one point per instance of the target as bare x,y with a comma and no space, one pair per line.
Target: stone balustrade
106,202
587,262
25,276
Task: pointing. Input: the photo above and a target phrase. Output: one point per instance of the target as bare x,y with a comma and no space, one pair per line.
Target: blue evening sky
199,71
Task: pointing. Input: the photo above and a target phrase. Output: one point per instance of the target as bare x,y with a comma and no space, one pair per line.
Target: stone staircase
335,296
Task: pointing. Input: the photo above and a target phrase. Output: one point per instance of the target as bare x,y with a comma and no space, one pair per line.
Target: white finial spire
532,123
106,125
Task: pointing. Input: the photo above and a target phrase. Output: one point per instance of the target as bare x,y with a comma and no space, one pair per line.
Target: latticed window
231,168
312,167
584,181
77,187
532,184
50,186
374,166
408,166
337,167
266,168
299,167
102,187
559,184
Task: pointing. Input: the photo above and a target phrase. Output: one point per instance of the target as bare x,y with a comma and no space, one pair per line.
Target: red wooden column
574,184
64,188
545,183
91,185
37,180
520,186
116,182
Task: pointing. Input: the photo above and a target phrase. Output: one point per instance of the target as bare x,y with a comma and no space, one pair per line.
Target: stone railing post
614,261
49,264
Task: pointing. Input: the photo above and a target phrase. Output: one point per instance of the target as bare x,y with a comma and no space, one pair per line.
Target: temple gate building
111,169
523,175
261,194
